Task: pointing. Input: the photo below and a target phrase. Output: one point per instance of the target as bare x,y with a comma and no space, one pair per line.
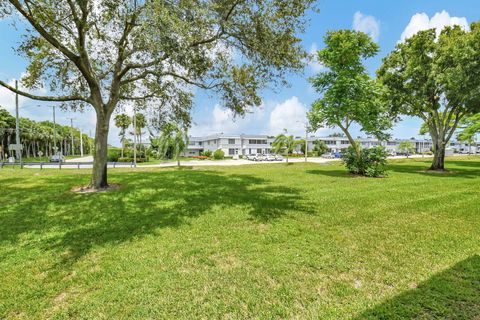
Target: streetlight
71,134
306,138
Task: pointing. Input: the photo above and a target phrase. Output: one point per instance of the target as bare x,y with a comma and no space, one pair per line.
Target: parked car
338,155
328,156
259,157
57,158
278,157
251,157
270,157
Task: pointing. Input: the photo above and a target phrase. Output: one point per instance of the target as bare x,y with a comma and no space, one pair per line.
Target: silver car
57,158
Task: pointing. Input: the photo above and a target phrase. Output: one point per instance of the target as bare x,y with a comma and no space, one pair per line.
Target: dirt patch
88,189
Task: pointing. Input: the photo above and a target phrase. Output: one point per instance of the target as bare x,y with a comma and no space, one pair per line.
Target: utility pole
306,141
90,140
81,143
54,132
18,150
135,136
71,134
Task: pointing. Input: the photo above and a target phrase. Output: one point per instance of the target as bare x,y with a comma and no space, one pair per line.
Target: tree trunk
99,173
438,156
178,161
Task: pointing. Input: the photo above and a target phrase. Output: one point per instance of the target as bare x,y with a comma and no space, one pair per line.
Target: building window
345,142
330,142
256,141
231,141
259,150
231,152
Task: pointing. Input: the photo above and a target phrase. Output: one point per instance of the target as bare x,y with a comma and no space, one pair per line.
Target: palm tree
174,137
284,143
122,121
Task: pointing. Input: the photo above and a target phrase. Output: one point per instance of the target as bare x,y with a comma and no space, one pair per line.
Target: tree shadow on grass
146,202
452,294
454,169
458,169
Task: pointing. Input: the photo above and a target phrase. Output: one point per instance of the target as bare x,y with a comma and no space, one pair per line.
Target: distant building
244,144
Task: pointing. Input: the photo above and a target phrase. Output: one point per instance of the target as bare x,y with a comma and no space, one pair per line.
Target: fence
66,165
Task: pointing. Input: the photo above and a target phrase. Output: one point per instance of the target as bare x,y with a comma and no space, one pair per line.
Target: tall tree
107,54
122,121
284,143
174,138
349,95
436,78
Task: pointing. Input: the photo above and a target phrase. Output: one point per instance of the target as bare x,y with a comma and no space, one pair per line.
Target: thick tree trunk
438,156
99,174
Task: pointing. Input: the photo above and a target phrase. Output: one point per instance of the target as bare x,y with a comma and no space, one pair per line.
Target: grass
302,241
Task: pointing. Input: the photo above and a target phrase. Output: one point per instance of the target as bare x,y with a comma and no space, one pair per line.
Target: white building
243,144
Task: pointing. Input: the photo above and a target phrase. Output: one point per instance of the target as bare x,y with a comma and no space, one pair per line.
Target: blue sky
386,21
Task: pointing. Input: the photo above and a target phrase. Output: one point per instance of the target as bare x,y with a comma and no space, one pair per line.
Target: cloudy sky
387,22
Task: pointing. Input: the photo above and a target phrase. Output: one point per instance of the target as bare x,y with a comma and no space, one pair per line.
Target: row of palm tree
39,138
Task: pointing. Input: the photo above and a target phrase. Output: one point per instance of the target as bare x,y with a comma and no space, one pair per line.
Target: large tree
107,54
349,95
436,78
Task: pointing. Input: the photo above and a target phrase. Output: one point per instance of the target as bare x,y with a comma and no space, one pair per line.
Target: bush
207,153
218,154
128,159
372,162
200,157
113,154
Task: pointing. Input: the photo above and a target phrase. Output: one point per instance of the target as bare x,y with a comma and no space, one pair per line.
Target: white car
251,157
270,157
278,157
260,157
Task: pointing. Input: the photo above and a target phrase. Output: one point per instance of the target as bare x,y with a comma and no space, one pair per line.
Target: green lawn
272,241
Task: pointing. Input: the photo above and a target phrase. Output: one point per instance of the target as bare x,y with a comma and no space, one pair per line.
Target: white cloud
290,115
7,98
421,21
313,63
366,24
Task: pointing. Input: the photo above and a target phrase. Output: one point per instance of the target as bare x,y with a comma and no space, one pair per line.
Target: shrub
114,154
372,162
128,159
207,153
200,157
218,154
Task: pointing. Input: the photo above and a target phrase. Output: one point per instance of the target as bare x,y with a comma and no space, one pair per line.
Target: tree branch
44,98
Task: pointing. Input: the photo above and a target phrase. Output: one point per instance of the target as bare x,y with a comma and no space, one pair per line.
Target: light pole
81,143
306,138
71,134
134,136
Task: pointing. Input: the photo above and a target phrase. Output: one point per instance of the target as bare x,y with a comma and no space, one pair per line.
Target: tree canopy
349,94
436,78
108,54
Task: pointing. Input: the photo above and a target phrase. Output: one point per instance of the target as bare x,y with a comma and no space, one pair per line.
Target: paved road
81,159
198,163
